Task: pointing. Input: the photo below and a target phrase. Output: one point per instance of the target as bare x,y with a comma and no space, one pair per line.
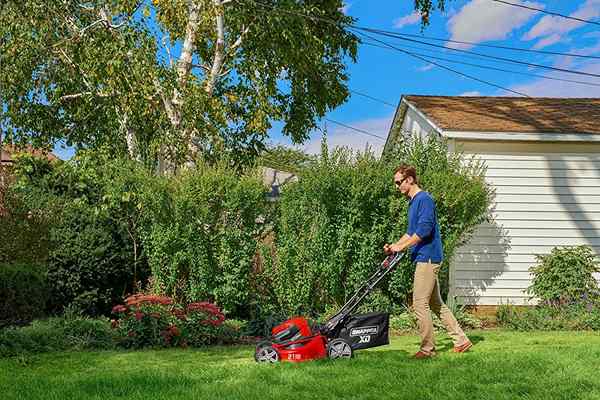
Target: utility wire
374,98
352,26
355,129
554,53
546,12
402,50
445,67
494,68
485,55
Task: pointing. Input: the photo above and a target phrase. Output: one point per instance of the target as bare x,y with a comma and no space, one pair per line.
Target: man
424,240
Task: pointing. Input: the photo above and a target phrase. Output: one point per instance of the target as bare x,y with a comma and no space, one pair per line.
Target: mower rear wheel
265,353
339,348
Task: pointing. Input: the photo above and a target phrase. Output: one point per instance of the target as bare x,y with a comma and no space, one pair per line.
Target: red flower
119,309
139,299
179,314
114,323
131,334
174,330
139,315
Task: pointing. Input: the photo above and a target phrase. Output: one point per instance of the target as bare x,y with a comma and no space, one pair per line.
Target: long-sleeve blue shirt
422,220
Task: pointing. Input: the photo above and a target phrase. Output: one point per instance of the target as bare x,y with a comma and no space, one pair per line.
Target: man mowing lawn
425,243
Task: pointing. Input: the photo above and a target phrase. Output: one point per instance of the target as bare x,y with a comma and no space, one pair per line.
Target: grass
502,365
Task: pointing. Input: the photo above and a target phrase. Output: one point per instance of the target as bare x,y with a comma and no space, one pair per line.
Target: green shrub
93,210
406,320
24,293
68,332
204,245
565,275
332,223
576,316
24,236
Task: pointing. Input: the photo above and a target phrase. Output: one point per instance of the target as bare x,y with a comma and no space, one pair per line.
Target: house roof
8,150
510,114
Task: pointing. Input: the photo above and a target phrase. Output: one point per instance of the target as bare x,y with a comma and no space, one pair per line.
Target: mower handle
386,266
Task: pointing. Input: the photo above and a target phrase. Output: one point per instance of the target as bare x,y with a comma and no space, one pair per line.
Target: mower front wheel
265,353
339,348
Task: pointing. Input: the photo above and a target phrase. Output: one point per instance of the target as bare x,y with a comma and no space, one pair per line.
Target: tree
424,7
103,74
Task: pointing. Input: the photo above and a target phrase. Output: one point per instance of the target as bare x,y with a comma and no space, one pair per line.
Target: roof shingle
511,114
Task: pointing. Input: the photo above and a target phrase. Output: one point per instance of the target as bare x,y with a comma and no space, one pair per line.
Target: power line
494,46
546,12
374,98
447,68
495,68
487,55
402,50
437,52
355,129
352,26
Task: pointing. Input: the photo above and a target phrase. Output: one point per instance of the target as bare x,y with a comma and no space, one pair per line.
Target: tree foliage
169,82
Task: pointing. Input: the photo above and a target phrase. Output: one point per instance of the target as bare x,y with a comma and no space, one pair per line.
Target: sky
387,74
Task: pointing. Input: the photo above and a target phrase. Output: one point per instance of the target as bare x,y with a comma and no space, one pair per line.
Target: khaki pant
427,298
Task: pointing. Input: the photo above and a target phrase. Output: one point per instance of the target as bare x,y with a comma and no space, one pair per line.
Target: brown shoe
419,355
462,348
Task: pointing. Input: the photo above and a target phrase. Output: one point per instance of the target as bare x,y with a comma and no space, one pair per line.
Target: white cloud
410,19
482,20
547,88
547,41
471,94
426,68
552,26
338,136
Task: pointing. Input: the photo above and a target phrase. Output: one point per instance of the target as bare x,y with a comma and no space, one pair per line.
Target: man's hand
401,245
392,248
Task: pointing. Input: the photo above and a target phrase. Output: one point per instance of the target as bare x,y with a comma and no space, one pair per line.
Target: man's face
402,183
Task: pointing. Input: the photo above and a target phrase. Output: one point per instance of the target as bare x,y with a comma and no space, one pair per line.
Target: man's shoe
419,355
462,348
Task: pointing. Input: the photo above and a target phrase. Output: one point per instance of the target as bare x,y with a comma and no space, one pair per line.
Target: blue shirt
422,220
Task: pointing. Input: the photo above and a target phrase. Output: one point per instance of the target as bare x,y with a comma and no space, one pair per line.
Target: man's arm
402,244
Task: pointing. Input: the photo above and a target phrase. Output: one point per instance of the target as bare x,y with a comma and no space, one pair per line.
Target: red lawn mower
296,340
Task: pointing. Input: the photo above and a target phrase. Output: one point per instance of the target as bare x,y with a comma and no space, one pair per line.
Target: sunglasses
398,183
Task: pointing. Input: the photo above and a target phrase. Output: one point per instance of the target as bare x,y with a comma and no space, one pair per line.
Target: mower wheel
339,348
263,343
265,353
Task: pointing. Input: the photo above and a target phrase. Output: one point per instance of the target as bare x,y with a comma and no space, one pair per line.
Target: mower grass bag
366,330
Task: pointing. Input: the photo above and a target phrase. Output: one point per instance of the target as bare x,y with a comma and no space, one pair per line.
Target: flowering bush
151,320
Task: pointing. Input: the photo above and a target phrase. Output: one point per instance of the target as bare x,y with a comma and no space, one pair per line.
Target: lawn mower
296,340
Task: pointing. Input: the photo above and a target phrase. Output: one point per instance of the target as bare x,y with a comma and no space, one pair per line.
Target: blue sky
388,75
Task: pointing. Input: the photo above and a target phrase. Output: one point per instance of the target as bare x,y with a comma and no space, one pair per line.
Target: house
543,160
275,179
7,153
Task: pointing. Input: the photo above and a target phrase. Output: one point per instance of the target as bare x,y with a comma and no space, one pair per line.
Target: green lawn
502,365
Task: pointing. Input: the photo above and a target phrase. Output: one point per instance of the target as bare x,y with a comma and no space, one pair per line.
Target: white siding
547,195
414,123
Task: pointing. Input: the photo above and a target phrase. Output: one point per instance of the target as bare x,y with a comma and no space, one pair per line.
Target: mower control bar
386,266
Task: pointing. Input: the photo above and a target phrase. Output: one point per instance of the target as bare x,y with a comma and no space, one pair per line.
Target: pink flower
139,315
119,309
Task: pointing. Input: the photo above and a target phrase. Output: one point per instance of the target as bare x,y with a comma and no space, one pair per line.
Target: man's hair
407,171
